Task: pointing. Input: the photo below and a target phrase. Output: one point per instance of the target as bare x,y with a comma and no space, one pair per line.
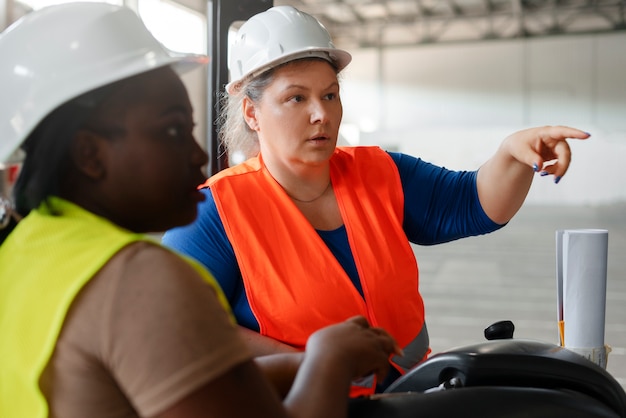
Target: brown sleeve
168,334
151,327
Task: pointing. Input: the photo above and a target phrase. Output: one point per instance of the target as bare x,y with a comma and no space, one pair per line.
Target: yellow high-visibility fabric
44,263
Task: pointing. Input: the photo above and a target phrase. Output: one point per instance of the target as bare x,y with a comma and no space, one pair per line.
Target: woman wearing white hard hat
97,320
305,233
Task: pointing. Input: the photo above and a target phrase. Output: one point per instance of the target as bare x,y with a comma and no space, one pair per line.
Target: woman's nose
198,155
319,112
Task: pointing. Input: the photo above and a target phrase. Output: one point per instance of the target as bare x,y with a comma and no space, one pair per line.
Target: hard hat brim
181,63
337,57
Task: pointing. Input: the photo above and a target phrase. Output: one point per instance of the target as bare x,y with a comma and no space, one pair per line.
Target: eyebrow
176,109
299,86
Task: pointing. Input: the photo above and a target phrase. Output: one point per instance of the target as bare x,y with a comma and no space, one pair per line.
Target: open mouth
319,138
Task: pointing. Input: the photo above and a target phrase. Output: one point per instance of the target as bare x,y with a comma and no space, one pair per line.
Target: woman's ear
87,154
249,113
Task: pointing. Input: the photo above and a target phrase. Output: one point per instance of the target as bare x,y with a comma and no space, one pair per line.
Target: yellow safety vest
44,263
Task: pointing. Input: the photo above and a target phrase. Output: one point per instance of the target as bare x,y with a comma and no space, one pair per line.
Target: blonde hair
234,133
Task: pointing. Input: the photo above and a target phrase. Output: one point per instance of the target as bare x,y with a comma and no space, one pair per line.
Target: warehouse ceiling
391,23
380,23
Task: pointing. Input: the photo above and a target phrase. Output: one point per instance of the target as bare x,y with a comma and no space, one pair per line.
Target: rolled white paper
582,275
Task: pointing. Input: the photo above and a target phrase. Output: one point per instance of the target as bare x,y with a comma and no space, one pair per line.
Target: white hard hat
276,36
59,52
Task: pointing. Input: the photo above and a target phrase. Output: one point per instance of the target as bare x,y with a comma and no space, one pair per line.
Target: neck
310,200
304,186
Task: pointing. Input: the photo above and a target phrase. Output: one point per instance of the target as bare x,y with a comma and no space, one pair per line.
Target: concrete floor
511,274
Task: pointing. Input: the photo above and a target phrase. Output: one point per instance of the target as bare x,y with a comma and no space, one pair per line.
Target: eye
179,130
297,98
174,131
330,96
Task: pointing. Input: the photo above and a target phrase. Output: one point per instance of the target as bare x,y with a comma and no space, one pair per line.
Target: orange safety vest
294,283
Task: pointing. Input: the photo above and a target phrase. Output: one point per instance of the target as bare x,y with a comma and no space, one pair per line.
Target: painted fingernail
544,173
557,179
535,167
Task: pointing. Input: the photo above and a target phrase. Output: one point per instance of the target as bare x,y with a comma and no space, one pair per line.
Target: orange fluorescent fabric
293,282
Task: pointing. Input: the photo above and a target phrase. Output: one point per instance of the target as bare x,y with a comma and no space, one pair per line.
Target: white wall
453,104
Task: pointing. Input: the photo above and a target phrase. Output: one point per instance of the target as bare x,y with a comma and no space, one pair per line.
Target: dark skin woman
147,333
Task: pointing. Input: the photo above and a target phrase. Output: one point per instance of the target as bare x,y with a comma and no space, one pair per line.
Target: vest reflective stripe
44,263
414,352
294,283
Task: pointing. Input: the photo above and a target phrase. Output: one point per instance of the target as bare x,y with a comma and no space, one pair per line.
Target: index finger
560,133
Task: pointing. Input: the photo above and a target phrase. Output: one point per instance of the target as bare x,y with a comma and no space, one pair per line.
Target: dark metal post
221,14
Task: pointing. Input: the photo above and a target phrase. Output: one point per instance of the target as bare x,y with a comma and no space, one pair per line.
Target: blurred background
447,80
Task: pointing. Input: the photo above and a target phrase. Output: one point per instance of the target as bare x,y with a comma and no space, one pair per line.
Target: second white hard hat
276,36
57,53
